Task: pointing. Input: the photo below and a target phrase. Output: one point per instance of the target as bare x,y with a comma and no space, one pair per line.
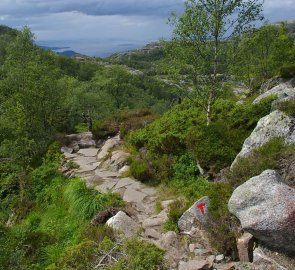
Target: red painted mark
201,206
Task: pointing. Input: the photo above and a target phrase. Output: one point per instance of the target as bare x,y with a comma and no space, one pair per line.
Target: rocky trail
103,167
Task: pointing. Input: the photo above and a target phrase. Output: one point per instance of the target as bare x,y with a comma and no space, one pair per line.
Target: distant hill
150,52
7,30
63,51
71,53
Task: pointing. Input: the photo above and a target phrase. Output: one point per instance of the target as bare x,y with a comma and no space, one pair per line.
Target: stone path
140,197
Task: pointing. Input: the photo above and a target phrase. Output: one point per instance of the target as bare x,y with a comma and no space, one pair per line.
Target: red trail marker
201,206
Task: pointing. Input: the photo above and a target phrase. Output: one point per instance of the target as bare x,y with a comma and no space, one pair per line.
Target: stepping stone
84,160
149,191
152,233
88,152
69,156
94,180
137,185
86,168
106,186
124,182
106,174
132,195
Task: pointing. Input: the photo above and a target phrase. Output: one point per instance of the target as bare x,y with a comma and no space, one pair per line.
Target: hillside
178,156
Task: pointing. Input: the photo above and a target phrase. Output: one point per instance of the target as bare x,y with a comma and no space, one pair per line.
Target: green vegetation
45,218
263,53
182,131
57,221
287,107
268,156
200,42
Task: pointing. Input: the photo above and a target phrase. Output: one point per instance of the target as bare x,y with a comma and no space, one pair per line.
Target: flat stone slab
106,174
94,180
132,195
69,156
88,152
86,168
106,186
84,160
149,191
124,182
137,186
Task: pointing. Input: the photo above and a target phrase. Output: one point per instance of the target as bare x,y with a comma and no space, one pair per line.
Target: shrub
80,256
140,170
211,147
81,127
223,227
123,121
176,209
288,107
287,72
266,157
184,167
139,255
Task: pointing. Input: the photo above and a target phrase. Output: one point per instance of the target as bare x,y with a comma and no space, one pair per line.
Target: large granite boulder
197,212
265,206
276,124
283,91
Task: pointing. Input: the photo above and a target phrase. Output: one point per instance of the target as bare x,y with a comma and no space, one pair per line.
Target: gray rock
165,204
152,233
194,265
202,252
282,91
245,245
219,258
124,169
108,146
197,212
156,221
67,150
276,124
117,160
81,140
271,83
124,182
88,152
132,195
266,208
227,266
191,247
263,262
169,239
123,223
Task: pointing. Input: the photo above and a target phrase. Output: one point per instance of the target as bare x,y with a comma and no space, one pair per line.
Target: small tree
200,39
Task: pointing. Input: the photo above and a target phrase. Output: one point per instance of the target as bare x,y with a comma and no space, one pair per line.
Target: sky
102,27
